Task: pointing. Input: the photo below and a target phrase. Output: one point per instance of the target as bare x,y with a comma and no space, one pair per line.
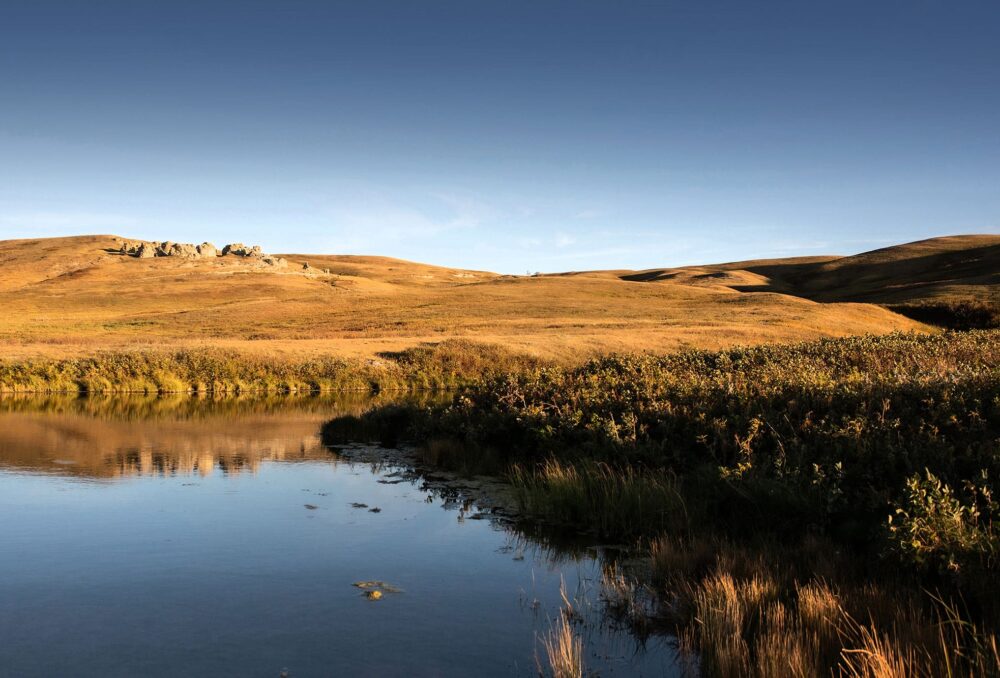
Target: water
178,537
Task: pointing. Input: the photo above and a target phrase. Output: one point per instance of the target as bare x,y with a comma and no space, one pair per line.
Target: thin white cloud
376,221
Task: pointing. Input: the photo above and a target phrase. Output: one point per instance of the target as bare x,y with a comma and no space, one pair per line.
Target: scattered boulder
144,251
207,249
277,262
306,266
184,251
241,250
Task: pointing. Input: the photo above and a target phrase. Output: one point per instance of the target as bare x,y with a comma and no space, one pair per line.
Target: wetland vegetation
804,508
781,509
225,372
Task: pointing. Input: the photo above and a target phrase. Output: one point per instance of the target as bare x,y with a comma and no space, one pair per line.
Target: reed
441,366
623,503
563,651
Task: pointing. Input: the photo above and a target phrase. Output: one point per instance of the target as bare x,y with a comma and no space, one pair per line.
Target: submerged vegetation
797,502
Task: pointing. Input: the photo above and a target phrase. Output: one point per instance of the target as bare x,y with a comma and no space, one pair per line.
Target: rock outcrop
277,262
142,249
241,250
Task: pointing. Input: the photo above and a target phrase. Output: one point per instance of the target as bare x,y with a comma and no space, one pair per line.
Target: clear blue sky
510,136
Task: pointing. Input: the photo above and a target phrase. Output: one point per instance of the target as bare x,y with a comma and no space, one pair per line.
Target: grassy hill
956,268
72,296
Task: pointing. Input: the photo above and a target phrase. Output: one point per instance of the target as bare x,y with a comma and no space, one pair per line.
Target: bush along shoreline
446,365
826,506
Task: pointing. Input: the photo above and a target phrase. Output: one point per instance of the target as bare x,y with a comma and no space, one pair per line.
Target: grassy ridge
444,365
69,297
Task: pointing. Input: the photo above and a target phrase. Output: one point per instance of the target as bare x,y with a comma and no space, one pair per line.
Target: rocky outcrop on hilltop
143,249
241,250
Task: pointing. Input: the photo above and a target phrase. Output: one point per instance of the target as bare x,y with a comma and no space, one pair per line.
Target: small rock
377,584
311,507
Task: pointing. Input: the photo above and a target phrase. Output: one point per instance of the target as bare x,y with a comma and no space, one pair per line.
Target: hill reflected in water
106,438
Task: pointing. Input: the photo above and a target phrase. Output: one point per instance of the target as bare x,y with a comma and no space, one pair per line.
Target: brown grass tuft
563,650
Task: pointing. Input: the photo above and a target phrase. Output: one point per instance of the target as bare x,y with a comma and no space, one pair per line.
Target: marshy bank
827,506
445,365
782,510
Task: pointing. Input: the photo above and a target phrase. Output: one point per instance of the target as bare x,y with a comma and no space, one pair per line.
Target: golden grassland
70,297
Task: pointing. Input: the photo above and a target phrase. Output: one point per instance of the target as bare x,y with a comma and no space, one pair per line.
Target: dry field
67,297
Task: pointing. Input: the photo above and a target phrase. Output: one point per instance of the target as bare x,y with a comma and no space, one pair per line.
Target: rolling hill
952,268
72,296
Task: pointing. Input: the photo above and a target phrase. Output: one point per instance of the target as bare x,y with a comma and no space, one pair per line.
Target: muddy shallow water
193,537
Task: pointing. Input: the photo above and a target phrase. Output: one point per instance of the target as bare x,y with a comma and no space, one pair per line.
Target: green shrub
938,528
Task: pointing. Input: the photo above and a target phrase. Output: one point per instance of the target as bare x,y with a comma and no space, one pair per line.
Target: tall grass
445,365
823,436
747,614
869,461
624,503
563,651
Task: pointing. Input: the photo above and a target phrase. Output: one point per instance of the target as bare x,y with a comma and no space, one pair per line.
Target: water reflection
149,435
202,551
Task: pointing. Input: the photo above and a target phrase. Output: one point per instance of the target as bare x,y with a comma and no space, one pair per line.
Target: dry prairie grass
750,616
68,297
563,651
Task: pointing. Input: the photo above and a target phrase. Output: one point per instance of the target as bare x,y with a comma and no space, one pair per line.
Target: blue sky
511,136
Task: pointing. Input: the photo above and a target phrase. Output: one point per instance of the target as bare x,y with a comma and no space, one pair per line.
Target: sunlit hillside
71,296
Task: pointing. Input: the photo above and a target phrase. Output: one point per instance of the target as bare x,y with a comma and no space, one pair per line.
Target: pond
185,536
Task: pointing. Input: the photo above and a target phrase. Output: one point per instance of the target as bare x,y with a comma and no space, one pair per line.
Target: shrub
935,527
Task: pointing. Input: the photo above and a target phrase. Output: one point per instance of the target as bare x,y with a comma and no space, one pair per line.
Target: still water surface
184,537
